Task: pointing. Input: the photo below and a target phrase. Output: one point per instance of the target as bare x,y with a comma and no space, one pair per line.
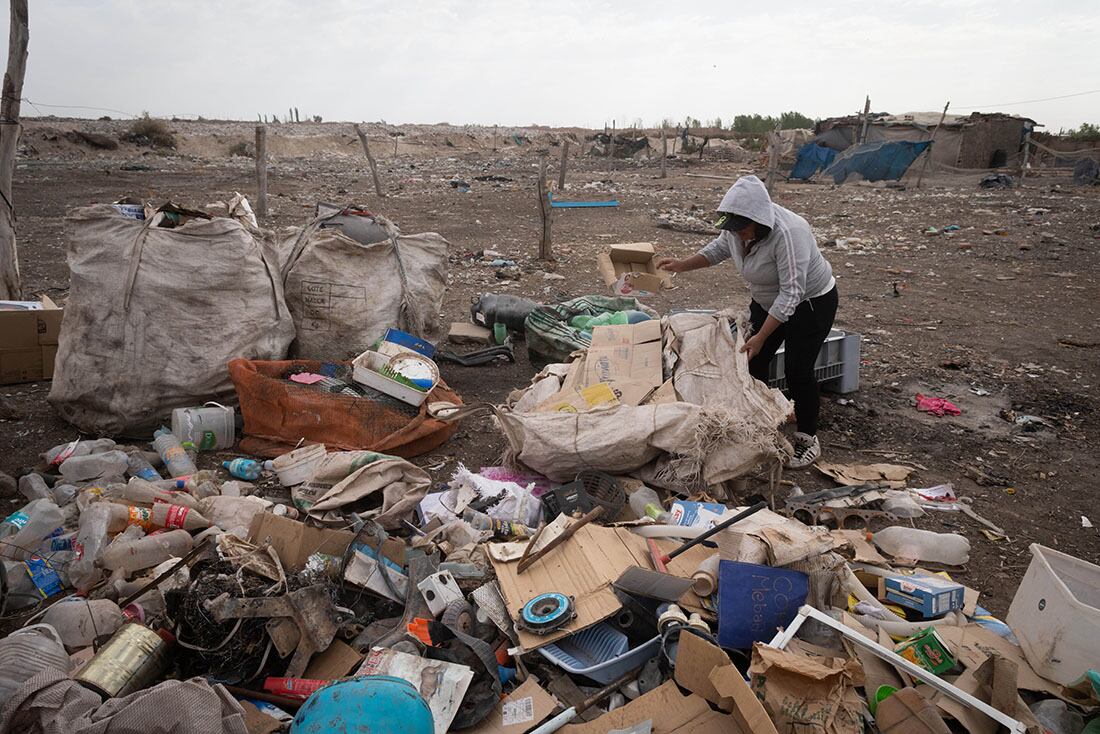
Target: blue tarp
876,161
811,159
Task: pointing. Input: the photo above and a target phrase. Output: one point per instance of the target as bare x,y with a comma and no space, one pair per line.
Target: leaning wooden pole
546,251
664,151
931,142
370,160
261,171
564,165
11,286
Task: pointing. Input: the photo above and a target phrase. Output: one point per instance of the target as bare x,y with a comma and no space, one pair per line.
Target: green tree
1087,132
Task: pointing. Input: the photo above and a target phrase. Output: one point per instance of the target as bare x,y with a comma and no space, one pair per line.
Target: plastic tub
297,466
207,428
1056,615
600,652
365,371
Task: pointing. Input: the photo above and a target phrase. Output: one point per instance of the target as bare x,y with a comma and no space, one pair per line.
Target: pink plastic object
936,406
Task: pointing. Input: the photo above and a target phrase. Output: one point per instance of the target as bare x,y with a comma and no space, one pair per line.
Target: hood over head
749,198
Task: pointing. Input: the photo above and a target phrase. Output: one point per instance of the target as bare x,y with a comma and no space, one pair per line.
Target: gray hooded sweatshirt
783,269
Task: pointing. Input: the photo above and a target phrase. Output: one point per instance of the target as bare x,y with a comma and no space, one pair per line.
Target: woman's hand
753,345
670,264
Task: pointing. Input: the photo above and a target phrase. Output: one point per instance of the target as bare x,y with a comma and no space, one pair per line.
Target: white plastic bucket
207,428
297,466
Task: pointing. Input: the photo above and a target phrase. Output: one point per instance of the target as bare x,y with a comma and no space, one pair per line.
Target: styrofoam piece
365,371
1055,615
599,652
297,466
439,590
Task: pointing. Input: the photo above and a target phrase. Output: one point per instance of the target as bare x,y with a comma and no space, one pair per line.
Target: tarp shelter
811,159
876,161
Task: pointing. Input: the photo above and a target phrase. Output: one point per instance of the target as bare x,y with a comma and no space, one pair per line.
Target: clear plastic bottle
31,581
139,466
91,539
247,469
135,555
923,545
35,522
61,452
176,460
94,466
645,502
140,492
63,494
80,622
152,518
34,487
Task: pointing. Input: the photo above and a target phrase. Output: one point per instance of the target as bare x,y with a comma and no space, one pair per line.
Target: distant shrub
147,130
242,149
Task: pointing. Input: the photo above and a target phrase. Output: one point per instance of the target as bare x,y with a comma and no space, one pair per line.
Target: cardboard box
628,353
28,341
518,712
462,332
631,269
295,542
932,596
928,650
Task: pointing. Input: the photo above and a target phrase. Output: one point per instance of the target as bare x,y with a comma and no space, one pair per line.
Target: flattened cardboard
515,708
337,661
747,711
295,542
670,711
257,722
695,660
584,567
864,551
803,694
627,353
907,712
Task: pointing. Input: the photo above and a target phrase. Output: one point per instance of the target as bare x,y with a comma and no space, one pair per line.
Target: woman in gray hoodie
794,295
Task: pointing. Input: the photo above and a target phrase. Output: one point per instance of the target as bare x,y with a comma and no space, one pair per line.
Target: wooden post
931,140
11,285
545,212
564,163
395,146
611,145
773,158
296,118
1023,160
866,120
261,171
370,159
664,150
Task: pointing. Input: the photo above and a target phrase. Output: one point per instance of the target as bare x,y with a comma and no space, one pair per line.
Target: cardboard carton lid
632,252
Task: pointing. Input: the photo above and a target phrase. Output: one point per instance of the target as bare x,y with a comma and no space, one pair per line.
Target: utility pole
11,286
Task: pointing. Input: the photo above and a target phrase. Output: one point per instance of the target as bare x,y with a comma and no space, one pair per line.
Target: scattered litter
936,406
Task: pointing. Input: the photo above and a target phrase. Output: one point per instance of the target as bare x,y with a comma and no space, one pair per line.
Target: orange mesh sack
278,414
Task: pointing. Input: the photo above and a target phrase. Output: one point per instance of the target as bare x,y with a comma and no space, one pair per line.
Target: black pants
803,334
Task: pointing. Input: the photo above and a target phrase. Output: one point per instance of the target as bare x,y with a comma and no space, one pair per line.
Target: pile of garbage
630,565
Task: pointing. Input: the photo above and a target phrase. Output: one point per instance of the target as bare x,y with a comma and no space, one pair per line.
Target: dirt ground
975,315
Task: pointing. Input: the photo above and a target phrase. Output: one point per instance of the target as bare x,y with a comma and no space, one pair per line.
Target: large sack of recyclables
350,275
156,308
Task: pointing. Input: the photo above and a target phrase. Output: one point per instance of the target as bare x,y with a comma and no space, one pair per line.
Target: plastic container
1056,615
176,460
409,341
297,466
134,555
492,308
836,367
600,652
207,428
645,502
248,469
27,652
152,518
80,622
375,703
34,487
140,467
58,454
63,494
35,522
914,544
94,466
141,492
365,371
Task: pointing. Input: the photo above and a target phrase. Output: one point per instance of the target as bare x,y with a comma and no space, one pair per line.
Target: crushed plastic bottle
912,544
91,539
94,466
35,522
58,454
158,516
645,502
131,555
176,461
34,487
248,469
139,466
63,494
140,492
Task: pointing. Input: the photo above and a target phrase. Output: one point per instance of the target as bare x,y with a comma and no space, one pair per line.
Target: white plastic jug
27,652
207,428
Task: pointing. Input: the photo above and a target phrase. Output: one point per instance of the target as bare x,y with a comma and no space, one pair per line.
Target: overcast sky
567,62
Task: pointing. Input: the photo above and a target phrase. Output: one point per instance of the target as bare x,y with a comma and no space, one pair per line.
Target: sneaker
807,449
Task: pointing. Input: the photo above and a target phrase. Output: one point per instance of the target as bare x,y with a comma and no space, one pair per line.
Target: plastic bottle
33,487
61,452
501,529
158,516
139,466
248,469
36,521
94,466
140,492
923,545
63,494
91,538
31,581
1056,717
134,555
176,460
230,513
646,503
79,622
27,652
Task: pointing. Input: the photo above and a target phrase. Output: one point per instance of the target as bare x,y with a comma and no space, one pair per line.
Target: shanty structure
976,141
